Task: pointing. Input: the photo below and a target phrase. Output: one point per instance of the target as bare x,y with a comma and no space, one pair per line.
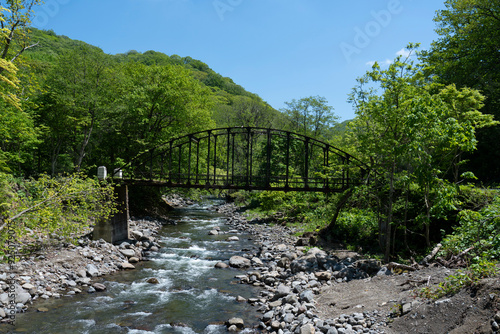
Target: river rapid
190,296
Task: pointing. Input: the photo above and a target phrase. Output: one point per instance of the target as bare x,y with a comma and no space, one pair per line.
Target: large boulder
128,252
314,260
239,262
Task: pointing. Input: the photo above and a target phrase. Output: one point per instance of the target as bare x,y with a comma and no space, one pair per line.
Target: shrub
38,210
478,229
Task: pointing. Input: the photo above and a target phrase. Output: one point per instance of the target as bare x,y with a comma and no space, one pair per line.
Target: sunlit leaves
48,208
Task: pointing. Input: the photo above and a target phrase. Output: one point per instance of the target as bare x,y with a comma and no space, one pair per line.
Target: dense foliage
424,129
36,212
466,54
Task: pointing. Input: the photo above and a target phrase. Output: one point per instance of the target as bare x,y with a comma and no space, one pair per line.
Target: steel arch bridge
247,158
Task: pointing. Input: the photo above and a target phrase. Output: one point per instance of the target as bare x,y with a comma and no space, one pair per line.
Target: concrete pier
116,227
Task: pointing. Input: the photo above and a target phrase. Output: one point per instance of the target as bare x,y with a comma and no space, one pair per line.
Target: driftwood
394,265
456,261
415,283
429,257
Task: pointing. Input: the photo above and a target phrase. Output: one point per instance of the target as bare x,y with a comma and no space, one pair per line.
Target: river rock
233,238
221,265
128,252
4,298
126,265
282,291
307,296
28,286
136,235
99,286
239,262
92,270
133,259
43,309
268,316
238,322
82,272
213,232
275,325
257,262
323,275
153,280
23,297
307,329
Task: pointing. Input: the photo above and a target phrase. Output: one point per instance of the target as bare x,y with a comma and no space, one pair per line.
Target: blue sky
278,49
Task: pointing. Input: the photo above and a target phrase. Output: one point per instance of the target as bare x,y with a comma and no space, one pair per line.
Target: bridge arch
248,158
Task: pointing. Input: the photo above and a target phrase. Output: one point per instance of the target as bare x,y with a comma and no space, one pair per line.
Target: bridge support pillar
116,227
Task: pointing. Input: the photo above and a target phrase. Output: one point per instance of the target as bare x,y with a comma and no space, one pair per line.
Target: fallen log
394,265
429,257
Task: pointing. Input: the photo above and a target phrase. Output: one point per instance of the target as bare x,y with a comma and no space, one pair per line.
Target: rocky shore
303,289
307,290
292,277
72,269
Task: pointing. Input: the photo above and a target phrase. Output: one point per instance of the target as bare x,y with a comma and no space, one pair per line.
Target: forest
426,127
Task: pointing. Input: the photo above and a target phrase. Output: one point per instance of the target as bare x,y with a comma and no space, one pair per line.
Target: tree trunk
341,203
387,254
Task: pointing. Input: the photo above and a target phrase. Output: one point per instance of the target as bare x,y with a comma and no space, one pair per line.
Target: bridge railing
248,158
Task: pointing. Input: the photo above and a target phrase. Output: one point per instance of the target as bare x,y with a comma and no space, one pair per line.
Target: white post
101,172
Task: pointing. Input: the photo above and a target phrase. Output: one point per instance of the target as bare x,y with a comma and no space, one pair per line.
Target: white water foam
139,314
214,329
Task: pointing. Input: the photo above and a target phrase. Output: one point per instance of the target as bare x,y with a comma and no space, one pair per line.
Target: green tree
62,208
245,111
310,116
15,19
466,54
411,132
76,102
156,103
17,133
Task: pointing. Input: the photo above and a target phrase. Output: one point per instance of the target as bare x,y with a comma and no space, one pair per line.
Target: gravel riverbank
72,269
293,277
303,289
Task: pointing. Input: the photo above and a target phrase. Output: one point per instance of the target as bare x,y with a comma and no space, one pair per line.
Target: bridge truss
247,158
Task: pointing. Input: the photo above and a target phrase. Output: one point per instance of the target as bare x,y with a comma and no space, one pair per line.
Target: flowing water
191,297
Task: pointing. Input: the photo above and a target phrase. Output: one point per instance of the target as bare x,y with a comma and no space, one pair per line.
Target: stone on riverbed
307,329
257,262
282,291
233,238
128,252
99,286
239,262
92,270
323,275
23,297
126,265
238,322
221,265
136,235
153,280
213,232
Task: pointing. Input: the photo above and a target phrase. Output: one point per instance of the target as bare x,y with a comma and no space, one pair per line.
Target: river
191,296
